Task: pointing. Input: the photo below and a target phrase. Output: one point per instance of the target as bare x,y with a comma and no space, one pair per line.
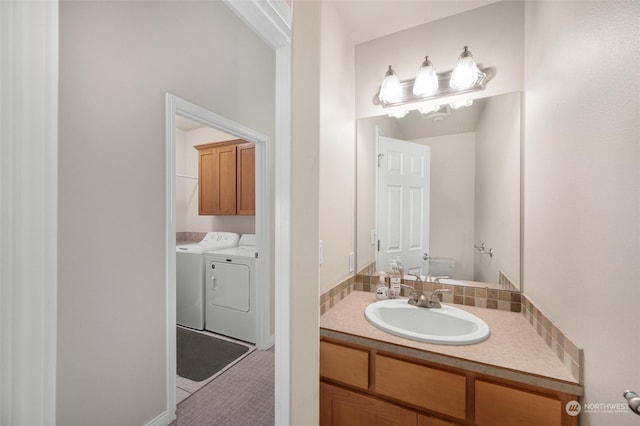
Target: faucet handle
435,294
408,287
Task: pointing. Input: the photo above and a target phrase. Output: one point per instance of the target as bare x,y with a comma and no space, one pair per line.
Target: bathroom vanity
368,375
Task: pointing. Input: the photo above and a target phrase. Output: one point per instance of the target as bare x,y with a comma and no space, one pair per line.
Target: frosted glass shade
465,72
426,82
461,104
390,90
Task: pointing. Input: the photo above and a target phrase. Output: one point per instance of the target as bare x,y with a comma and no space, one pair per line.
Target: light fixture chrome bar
444,89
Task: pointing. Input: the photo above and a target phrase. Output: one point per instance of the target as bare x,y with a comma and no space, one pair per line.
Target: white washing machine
190,276
231,290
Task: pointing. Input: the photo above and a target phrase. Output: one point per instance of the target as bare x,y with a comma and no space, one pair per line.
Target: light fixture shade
461,104
426,82
390,90
398,114
465,72
429,110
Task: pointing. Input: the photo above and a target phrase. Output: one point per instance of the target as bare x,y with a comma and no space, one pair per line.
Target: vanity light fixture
465,77
426,83
390,91
465,72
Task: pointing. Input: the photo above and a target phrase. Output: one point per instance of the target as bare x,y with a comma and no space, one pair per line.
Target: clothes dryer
190,275
231,290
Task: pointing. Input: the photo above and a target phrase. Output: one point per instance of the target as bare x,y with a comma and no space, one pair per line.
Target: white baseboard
163,419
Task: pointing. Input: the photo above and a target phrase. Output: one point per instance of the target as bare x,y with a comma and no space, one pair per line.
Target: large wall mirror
441,189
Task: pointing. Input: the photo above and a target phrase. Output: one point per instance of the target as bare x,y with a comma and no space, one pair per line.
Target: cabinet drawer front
341,407
423,386
504,406
346,365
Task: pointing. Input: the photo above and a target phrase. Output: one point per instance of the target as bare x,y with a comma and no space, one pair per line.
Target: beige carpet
241,396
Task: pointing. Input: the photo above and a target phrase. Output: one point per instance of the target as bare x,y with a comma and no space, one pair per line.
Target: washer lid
245,252
211,241
190,248
247,240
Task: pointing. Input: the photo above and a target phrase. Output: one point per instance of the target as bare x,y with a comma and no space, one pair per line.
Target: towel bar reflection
482,249
633,400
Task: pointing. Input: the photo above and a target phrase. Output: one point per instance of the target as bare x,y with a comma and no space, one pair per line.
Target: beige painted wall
305,196
337,149
183,185
497,189
117,59
452,205
582,187
494,34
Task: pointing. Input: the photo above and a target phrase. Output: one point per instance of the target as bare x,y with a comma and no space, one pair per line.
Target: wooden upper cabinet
226,178
246,179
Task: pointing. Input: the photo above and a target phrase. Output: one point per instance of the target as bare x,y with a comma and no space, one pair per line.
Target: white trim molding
271,20
28,211
264,338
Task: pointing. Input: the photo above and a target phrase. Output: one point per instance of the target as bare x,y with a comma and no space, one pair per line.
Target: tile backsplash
182,237
336,294
560,344
505,300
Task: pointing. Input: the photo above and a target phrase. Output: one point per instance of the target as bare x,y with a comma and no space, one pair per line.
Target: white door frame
271,20
28,211
264,338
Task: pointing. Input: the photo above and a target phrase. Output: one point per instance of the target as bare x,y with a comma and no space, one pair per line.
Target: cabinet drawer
426,387
341,407
346,365
504,406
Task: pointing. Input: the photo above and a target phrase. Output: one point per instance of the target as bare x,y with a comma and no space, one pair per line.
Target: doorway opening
177,108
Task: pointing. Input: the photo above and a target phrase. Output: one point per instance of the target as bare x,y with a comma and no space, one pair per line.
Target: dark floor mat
201,356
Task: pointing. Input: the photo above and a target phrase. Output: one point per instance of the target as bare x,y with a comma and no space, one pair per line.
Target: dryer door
228,285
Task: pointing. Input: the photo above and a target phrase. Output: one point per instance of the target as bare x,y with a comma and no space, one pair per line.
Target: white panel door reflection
403,203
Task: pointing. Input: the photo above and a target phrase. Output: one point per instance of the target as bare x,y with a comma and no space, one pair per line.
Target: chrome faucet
434,298
418,277
420,300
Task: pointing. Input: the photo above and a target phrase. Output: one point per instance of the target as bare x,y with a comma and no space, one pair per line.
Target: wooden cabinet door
431,388
341,407
433,421
246,179
344,364
217,181
504,406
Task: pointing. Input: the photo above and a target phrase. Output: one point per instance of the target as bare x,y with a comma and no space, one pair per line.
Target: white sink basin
445,326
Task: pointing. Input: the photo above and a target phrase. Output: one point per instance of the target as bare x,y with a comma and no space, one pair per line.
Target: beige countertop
513,351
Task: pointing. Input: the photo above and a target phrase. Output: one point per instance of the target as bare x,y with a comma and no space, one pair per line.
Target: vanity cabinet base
339,406
406,391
